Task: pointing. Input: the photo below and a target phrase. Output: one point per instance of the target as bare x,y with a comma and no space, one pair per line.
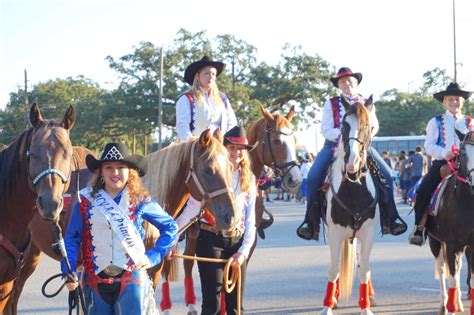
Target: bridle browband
192,174
277,168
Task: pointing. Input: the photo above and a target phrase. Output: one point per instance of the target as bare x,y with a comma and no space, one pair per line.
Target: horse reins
229,282
277,168
192,174
19,257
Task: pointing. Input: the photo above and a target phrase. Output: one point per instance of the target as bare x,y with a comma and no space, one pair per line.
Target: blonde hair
247,179
214,93
135,188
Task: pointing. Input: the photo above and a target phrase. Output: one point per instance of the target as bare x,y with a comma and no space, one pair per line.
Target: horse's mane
163,165
10,160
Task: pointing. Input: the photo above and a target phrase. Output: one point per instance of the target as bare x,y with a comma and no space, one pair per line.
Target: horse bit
278,168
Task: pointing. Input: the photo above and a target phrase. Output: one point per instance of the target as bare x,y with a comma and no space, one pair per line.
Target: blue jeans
318,171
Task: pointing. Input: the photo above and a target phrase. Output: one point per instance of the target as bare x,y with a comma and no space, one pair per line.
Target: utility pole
454,36
160,101
26,118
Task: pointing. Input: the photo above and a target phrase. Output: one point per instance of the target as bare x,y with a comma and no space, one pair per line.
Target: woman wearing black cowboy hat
443,132
107,225
204,106
235,243
346,81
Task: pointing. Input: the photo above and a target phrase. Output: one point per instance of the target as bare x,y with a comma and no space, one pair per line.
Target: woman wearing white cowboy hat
346,81
236,243
107,225
442,133
204,106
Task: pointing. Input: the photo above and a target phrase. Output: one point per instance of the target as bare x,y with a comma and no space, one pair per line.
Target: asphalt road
288,275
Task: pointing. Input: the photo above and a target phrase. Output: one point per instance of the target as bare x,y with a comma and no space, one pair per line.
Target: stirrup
417,239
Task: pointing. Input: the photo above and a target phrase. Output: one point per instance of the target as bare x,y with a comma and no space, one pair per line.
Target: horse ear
35,115
345,103
218,135
369,101
205,138
266,114
69,118
291,113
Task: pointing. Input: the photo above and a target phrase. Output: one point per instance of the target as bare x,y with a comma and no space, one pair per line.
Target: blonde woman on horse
204,106
236,243
444,134
108,226
347,82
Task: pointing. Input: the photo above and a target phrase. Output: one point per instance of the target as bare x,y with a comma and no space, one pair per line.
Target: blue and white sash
120,222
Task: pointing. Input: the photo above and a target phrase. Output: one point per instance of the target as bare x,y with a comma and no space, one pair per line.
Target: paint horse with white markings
352,210
451,231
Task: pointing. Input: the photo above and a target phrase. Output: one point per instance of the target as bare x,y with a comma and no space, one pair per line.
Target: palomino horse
451,231
351,209
277,149
35,172
200,168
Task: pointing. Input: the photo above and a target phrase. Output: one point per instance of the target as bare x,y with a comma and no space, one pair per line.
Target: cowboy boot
309,229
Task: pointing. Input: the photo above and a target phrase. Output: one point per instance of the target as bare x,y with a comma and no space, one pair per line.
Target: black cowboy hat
238,136
343,72
195,66
117,152
452,89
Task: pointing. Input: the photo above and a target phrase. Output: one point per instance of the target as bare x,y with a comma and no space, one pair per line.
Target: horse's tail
171,270
346,277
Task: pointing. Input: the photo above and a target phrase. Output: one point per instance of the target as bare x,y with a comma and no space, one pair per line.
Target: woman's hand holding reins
71,285
239,259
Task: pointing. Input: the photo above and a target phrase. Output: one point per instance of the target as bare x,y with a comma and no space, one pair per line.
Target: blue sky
392,42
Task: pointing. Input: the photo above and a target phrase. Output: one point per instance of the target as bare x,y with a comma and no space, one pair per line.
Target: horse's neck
257,165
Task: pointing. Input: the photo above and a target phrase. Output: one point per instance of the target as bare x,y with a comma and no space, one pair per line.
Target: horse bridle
192,174
43,173
277,168
465,178
364,147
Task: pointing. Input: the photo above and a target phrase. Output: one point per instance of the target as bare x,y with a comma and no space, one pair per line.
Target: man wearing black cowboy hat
442,133
204,106
347,82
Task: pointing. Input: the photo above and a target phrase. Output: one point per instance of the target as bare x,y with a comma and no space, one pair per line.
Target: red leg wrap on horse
189,296
330,299
452,306
371,288
472,301
364,296
223,312
336,295
165,303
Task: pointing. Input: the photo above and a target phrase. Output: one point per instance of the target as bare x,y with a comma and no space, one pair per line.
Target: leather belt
213,229
112,270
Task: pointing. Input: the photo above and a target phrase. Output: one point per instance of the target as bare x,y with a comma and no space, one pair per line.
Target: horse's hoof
326,311
193,313
192,310
442,311
166,312
372,301
366,311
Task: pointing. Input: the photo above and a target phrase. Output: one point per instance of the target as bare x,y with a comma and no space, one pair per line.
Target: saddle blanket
437,197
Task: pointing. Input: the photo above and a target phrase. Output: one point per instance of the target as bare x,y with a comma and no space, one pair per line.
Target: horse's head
48,161
277,147
211,173
356,135
466,160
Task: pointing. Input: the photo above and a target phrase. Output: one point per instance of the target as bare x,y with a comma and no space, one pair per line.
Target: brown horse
277,149
41,230
35,172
